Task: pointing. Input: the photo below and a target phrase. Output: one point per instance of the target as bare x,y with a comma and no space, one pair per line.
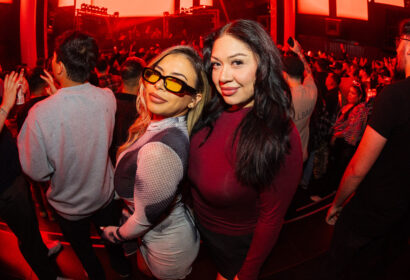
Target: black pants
355,256
17,210
78,234
342,153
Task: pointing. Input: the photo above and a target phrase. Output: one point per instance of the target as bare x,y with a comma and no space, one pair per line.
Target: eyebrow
237,54
231,56
173,73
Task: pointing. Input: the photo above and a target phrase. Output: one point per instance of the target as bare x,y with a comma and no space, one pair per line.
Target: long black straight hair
264,132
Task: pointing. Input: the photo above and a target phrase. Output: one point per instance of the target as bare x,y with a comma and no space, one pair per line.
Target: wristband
117,232
3,112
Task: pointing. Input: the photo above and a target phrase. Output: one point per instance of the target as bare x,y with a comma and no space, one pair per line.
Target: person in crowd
333,96
39,90
153,162
372,228
320,72
105,78
319,129
352,118
365,73
16,206
245,156
347,132
126,114
337,68
65,139
299,76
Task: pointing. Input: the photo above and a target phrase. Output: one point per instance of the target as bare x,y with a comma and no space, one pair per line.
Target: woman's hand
333,214
11,84
110,233
50,81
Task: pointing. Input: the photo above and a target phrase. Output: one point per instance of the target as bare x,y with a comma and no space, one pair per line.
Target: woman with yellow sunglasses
153,161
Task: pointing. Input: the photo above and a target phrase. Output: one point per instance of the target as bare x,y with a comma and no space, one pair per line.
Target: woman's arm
355,124
274,203
159,171
11,83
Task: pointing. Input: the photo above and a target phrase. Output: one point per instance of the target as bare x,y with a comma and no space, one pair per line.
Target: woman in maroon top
245,156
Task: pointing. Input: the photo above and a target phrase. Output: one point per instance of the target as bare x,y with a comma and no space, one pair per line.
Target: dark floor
298,253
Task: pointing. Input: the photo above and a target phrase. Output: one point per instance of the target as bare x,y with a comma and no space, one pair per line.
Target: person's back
385,188
66,139
304,94
74,130
75,127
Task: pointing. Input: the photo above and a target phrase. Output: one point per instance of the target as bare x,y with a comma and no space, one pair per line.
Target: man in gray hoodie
65,139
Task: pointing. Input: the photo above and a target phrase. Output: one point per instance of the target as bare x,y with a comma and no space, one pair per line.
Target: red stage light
399,3
356,9
314,7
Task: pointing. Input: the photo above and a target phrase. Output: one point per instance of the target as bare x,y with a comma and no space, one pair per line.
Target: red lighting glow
314,7
65,3
356,9
6,1
123,7
399,3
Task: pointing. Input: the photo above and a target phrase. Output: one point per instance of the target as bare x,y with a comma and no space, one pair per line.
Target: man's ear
59,68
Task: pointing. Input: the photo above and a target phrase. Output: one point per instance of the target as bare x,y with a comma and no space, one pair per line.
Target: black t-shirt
382,199
9,159
124,117
332,103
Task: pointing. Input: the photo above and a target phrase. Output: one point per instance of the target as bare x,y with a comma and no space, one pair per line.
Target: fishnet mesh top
148,173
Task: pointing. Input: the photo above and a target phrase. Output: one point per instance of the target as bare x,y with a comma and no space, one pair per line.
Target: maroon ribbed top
225,206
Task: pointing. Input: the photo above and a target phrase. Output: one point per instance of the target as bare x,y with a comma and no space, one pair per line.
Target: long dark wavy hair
264,131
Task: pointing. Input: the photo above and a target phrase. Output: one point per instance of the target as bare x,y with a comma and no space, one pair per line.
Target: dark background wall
10,34
376,33
373,38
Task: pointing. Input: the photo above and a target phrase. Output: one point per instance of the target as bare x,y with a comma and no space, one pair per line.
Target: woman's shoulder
171,136
359,108
174,138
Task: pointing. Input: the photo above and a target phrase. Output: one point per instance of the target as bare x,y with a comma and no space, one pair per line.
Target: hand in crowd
333,214
362,62
342,48
50,81
110,233
390,64
297,49
11,84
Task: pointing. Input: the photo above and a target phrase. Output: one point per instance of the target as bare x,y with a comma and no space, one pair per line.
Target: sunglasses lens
151,76
173,85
